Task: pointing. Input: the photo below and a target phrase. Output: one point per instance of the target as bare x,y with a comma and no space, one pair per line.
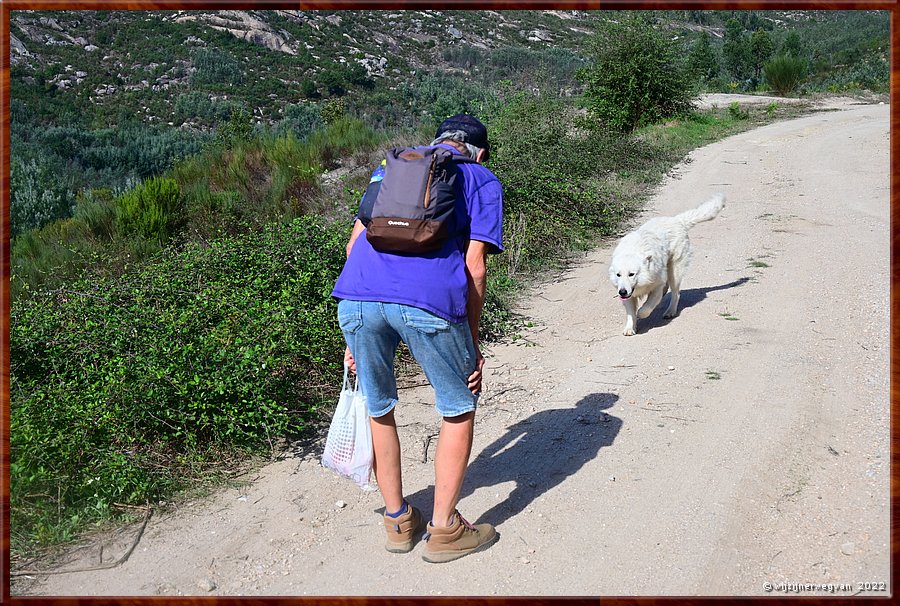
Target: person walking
431,301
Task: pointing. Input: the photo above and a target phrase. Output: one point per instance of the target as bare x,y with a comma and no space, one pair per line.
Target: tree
761,49
704,60
637,76
791,46
751,20
333,82
736,51
308,89
357,75
699,17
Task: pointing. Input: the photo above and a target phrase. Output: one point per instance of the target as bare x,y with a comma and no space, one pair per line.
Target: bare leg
450,463
386,444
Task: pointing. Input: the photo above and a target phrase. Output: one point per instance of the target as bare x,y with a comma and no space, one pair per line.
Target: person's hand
476,376
348,360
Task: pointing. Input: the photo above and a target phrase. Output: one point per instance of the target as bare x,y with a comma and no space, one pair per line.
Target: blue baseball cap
476,132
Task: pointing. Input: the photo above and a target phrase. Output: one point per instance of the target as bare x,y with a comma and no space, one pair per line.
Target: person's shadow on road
538,453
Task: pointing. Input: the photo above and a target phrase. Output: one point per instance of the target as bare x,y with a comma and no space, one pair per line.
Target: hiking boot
458,540
403,530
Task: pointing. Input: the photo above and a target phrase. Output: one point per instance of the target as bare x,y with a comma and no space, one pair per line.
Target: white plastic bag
348,447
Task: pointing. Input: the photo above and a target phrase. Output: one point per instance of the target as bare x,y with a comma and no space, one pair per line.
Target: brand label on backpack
412,208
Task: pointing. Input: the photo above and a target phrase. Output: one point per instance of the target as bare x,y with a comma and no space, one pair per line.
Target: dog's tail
705,212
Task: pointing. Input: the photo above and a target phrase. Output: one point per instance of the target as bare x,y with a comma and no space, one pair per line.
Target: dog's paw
628,332
670,314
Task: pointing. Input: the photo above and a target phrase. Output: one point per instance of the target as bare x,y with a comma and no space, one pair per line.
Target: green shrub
238,129
785,73
150,210
193,106
295,169
334,81
341,136
137,151
264,178
339,78
549,69
553,175
356,75
333,110
301,119
438,95
44,256
96,208
869,74
59,251
308,89
761,48
791,45
290,155
213,66
38,195
637,76
75,158
120,386
736,112
462,56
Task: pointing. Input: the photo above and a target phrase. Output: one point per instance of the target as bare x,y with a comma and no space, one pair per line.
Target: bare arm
476,271
354,234
358,227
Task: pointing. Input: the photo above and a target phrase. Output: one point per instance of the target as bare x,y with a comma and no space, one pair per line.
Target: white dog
653,258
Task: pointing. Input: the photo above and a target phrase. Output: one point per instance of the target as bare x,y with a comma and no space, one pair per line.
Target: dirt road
744,442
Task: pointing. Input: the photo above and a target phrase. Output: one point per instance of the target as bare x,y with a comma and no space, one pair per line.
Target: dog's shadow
536,454
689,298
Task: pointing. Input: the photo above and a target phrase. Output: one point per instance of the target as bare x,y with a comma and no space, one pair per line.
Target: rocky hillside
191,69
348,34
261,59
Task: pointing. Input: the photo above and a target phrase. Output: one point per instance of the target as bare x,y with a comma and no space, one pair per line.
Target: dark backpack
412,209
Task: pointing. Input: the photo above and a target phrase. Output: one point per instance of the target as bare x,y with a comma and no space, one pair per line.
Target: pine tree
704,60
761,49
736,51
791,46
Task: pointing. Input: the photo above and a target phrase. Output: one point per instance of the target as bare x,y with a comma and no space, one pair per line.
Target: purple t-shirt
434,281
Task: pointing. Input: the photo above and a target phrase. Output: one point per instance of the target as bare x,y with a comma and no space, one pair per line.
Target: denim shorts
443,349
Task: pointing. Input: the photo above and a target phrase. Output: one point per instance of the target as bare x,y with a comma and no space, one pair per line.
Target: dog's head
625,273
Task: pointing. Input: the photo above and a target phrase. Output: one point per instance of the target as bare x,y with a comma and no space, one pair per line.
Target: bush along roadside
124,390
236,184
